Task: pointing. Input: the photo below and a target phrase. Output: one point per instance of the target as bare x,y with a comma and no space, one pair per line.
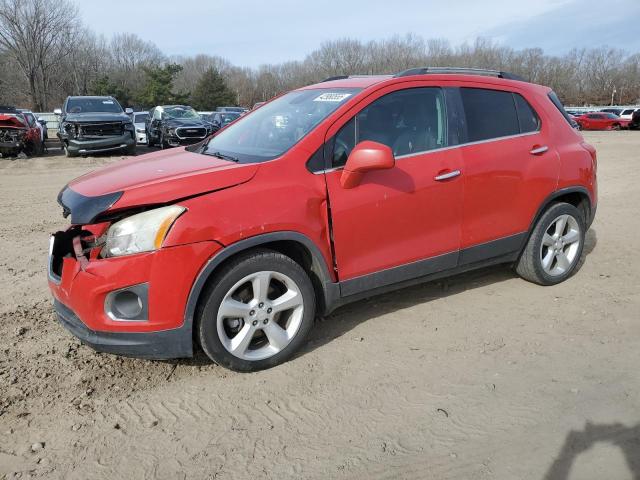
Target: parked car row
607,119
94,124
21,132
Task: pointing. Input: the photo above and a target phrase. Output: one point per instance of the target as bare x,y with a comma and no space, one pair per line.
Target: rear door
509,168
402,217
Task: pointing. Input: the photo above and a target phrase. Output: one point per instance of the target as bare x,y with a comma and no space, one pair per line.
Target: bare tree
37,34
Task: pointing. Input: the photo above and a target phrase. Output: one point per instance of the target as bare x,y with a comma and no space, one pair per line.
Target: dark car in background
175,125
93,125
634,124
222,119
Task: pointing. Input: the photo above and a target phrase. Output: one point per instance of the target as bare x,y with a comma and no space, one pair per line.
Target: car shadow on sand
351,315
580,441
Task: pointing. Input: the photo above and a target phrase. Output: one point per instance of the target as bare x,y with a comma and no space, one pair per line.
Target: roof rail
460,71
337,77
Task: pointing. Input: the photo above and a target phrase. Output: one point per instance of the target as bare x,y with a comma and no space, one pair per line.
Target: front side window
409,121
274,128
489,114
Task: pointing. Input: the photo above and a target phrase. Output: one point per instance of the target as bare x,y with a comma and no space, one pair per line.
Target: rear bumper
176,343
106,144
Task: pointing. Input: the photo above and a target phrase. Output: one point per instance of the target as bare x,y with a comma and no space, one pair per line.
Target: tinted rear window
489,114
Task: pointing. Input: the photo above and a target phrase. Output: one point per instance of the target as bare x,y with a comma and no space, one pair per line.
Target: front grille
101,130
191,132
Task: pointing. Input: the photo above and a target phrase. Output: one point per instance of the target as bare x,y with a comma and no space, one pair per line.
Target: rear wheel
616,127
554,247
257,312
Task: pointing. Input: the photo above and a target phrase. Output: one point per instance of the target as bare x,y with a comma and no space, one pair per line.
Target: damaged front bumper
83,146
87,289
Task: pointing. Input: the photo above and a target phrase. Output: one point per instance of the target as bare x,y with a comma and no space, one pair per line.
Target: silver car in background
138,121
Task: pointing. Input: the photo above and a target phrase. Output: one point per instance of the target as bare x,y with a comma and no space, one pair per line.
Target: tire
130,151
271,335
616,127
551,240
67,153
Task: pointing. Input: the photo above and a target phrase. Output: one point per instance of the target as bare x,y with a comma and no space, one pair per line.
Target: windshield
140,117
93,105
277,126
179,112
611,115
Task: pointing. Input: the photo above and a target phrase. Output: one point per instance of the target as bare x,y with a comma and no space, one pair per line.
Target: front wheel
554,247
257,312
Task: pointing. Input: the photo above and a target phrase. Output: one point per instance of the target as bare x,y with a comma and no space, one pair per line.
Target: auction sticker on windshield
331,97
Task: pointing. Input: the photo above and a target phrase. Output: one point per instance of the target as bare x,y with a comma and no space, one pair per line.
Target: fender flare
330,289
559,193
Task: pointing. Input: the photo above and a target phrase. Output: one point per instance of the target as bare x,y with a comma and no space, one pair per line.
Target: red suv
325,195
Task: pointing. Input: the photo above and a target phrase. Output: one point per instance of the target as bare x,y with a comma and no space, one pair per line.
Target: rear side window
489,114
527,117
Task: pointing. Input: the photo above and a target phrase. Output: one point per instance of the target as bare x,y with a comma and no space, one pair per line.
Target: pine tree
211,92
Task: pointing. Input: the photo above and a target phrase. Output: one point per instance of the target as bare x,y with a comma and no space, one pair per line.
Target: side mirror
366,156
57,111
128,111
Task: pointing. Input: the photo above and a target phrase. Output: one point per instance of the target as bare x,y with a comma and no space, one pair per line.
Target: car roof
92,97
366,81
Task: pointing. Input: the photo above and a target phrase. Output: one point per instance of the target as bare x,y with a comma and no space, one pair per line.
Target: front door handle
538,150
447,176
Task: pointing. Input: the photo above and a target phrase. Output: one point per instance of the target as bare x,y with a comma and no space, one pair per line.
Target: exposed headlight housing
171,131
142,232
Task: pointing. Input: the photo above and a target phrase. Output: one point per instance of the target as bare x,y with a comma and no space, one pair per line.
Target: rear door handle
447,176
538,150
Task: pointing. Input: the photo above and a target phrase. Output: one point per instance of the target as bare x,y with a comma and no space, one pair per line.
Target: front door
403,222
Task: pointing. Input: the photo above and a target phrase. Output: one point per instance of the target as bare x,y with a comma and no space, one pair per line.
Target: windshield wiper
223,156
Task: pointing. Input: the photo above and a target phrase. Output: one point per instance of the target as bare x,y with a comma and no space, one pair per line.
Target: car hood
11,121
157,178
91,117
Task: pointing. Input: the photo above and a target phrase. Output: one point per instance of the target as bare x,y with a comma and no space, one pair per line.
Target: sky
252,32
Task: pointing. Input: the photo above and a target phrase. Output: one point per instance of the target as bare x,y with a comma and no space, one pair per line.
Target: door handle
447,176
538,150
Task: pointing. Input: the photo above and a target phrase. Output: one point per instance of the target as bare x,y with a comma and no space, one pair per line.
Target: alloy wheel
260,315
560,245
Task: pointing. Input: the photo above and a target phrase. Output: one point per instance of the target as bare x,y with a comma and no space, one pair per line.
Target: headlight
171,132
140,130
129,126
142,232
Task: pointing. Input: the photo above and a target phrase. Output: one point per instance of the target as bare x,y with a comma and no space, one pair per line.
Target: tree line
47,54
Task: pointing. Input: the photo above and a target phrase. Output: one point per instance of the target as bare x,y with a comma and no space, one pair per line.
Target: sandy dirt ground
482,376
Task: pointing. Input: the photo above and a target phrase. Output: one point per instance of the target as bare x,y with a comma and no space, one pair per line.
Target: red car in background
17,134
601,121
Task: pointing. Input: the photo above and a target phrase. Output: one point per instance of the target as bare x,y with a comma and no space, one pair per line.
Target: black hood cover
84,210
